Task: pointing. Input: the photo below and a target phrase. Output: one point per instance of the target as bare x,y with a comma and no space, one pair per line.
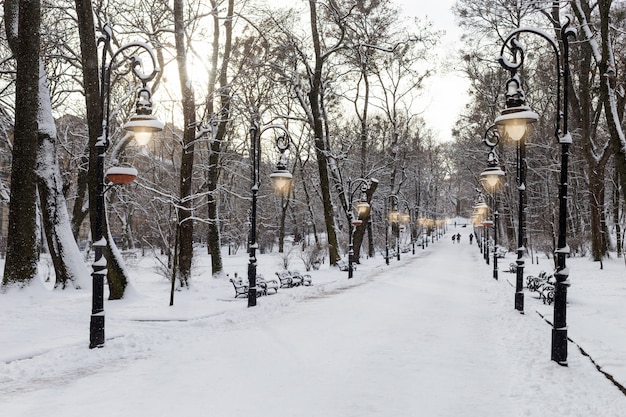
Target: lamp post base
519,302
96,331
559,346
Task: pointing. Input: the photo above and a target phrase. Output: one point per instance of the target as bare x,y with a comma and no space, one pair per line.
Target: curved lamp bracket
491,137
517,51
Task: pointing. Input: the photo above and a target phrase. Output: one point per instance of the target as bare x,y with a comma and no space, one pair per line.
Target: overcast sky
446,93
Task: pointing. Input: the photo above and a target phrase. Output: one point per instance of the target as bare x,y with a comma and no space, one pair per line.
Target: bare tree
218,109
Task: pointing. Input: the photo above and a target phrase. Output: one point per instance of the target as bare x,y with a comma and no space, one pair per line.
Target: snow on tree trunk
66,258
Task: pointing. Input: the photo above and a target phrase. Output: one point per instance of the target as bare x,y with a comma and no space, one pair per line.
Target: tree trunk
185,207
309,205
321,145
80,209
596,205
213,171
68,265
583,121
616,214
22,251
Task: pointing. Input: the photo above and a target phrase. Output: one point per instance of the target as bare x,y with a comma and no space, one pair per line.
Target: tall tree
317,119
22,19
611,92
585,111
185,209
220,116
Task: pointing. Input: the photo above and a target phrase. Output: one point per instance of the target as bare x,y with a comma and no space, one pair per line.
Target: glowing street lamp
564,138
515,120
143,125
281,179
492,178
362,209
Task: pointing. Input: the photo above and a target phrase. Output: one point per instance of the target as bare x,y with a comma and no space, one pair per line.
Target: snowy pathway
432,335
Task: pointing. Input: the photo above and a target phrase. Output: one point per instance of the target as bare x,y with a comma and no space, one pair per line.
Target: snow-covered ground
430,335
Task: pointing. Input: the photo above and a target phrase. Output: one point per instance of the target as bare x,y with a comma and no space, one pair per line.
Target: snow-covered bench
265,285
343,265
287,280
501,252
240,287
304,279
542,285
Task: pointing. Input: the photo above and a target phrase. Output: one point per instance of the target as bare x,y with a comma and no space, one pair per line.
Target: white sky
446,92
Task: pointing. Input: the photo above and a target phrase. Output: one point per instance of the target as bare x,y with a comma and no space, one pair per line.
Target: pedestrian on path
471,237
453,238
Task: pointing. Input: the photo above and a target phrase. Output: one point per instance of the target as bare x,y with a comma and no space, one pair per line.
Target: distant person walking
471,236
458,237
453,238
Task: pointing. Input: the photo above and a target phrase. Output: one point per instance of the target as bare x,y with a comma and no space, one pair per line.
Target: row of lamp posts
491,179
143,124
513,124
393,216
396,218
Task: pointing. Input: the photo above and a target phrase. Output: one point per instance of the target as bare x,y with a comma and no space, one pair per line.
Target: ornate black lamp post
491,178
513,120
512,125
281,178
362,209
142,124
406,218
478,219
413,229
483,209
386,233
394,216
422,222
